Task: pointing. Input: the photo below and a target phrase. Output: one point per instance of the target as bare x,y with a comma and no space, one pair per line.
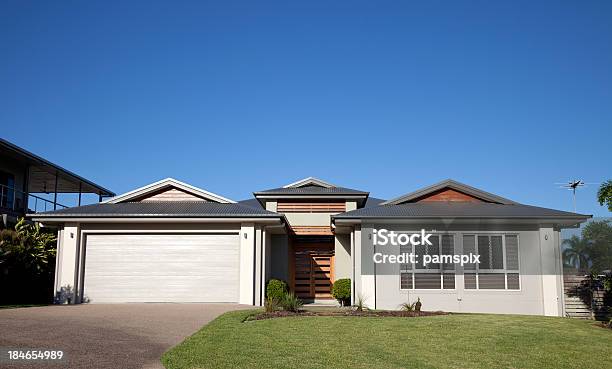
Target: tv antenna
572,186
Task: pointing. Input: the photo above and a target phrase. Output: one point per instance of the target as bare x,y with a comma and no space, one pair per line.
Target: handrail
10,196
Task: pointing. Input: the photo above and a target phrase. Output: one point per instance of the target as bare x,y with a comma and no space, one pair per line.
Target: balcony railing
21,202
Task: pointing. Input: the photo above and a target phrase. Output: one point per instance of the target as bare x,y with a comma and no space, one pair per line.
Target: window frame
505,271
413,270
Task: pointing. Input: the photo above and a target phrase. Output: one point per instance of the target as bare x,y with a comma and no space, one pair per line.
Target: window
431,276
499,262
7,189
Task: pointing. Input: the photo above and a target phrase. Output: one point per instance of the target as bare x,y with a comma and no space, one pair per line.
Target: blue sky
388,97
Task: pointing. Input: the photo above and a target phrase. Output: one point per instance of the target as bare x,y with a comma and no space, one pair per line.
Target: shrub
360,303
407,306
271,304
341,291
291,302
414,306
27,264
276,289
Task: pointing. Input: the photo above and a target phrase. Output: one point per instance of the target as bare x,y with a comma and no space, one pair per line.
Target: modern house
172,242
26,180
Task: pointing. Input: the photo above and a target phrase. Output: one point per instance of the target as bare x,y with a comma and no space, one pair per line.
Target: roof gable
168,189
309,181
449,190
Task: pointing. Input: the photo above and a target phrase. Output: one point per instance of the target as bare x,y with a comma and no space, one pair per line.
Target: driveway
105,336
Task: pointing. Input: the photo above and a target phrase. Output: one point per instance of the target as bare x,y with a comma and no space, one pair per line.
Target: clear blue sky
235,97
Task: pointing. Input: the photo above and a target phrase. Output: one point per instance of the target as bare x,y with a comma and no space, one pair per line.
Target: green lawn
450,341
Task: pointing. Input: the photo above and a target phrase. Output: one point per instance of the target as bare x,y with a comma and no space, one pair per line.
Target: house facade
30,183
172,242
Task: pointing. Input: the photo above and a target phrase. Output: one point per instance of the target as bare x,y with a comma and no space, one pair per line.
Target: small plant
291,302
271,304
414,306
407,306
276,289
360,303
341,291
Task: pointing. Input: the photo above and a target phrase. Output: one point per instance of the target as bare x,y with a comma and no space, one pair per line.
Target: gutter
58,219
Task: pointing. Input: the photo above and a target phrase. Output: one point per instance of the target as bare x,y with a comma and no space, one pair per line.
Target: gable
448,194
309,182
169,194
168,189
449,190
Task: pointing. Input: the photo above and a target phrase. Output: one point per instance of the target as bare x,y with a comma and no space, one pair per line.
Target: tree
27,258
576,252
599,236
28,247
604,195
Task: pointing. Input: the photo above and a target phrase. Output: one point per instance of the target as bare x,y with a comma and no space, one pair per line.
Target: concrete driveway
105,336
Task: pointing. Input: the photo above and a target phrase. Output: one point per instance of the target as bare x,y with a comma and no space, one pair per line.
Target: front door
313,273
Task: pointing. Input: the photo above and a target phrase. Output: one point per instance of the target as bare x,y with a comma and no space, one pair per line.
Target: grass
447,341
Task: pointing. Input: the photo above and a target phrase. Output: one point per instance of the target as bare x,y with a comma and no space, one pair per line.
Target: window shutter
512,258
469,281
448,248
469,247
420,250
497,253
406,281
448,281
491,281
405,249
484,250
427,281
434,249
513,281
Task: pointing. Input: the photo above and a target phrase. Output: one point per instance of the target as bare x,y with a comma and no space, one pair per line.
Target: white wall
540,278
70,261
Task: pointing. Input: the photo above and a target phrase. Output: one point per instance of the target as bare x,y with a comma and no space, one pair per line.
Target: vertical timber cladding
313,266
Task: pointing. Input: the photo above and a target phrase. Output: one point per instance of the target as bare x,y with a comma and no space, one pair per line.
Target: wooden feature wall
312,230
448,194
310,207
312,270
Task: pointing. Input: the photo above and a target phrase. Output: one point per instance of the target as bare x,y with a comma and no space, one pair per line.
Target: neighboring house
173,242
26,178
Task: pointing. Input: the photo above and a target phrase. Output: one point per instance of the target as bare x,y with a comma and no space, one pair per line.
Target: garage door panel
162,268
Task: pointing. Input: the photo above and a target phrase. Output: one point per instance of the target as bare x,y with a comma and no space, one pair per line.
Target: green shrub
407,306
271,304
341,291
412,306
276,289
291,302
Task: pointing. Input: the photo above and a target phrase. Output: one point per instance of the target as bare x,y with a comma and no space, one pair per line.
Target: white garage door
161,268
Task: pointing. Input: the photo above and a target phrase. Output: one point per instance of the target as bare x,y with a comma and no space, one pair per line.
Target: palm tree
576,252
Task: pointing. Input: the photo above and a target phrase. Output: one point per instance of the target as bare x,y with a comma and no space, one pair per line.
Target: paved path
105,336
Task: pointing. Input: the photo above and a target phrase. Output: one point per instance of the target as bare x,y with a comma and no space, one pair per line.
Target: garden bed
343,312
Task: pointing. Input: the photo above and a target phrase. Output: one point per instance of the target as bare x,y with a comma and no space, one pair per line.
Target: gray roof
371,201
179,209
455,209
311,190
43,171
254,203
449,183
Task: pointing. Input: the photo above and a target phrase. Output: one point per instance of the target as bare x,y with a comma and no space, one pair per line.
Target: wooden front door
313,271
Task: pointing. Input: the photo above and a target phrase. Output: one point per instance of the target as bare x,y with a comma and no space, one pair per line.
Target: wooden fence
583,300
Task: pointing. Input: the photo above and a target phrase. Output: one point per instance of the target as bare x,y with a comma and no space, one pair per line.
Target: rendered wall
540,279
